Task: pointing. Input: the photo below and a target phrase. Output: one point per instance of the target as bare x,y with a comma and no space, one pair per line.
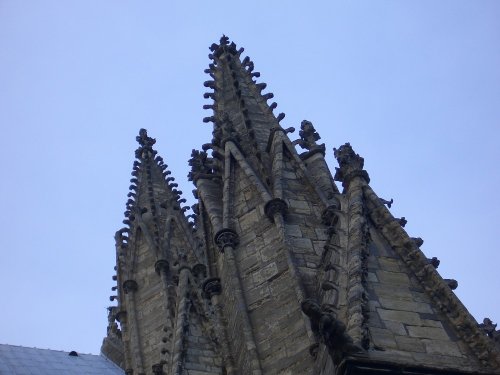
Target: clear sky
413,85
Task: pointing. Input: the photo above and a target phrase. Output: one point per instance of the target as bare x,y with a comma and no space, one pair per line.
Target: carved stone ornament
434,262
224,130
452,283
212,287
129,286
228,128
490,329
350,165
331,331
161,265
386,202
402,221
226,237
223,47
418,241
201,166
146,145
308,137
274,206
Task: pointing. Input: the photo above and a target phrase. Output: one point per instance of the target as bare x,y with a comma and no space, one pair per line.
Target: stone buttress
161,312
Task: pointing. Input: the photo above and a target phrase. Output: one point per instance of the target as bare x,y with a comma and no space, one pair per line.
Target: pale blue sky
413,85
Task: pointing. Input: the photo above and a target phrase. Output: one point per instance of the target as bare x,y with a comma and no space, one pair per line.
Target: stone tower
278,272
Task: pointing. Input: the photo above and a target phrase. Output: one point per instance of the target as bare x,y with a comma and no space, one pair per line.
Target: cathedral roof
17,360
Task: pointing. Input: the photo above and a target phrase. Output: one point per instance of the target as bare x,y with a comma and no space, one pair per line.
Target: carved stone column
129,288
227,240
354,178
178,352
276,210
212,289
162,268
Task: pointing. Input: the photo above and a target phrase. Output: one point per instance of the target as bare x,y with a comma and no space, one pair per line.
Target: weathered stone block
265,273
298,204
427,332
404,317
374,320
396,328
257,296
432,323
293,230
393,278
248,219
383,338
393,291
389,264
442,347
372,277
395,304
409,344
302,243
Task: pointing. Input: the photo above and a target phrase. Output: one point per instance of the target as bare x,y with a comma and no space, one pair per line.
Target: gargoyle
331,331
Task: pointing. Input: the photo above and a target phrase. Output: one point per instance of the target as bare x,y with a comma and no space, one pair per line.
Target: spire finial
224,46
224,40
144,140
201,165
350,165
146,144
309,137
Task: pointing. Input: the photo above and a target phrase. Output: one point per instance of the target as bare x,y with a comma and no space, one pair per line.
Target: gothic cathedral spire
279,272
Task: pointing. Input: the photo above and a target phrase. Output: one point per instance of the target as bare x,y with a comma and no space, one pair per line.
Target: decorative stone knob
452,283
274,206
161,265
129,286
212,287
226,237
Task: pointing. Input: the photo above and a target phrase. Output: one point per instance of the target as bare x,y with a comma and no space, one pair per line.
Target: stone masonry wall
274,310
149,300
201,359
402,322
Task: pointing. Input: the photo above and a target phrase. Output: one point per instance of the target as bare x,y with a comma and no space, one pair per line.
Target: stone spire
154,200
156,239
240,107
253,182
